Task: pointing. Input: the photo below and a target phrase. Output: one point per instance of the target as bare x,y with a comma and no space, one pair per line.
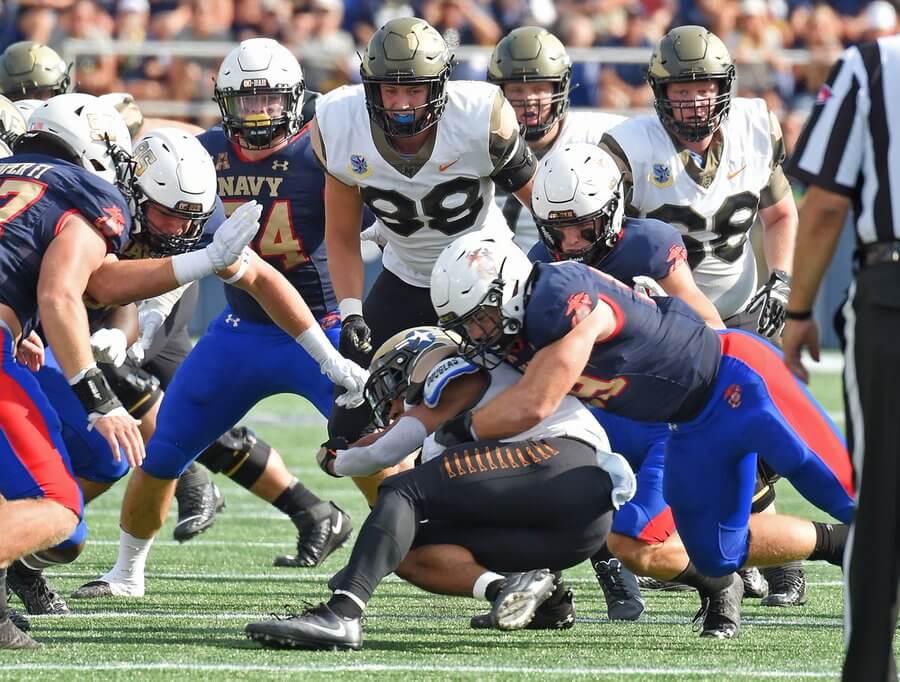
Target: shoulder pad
442,374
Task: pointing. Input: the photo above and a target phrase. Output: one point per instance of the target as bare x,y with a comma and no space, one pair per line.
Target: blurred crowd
327,34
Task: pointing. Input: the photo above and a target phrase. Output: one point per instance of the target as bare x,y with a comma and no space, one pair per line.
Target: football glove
349,375
769,303
233,235
149,322
455,431
356,338
328,454
110,346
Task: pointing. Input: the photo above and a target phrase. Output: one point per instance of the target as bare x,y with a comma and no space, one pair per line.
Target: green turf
190,626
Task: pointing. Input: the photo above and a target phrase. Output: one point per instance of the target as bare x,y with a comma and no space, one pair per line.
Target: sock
484,582
4,608
704,584
831,538
603,554
295,498
346,605
132,558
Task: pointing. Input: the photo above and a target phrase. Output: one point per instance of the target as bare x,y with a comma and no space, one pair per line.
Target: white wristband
316,343
191,266
350,306
242,268
84,370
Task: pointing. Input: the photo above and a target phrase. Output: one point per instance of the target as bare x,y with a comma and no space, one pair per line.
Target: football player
534,71
261,149
477,496
577,330
64,215
709,164
30,70
424,153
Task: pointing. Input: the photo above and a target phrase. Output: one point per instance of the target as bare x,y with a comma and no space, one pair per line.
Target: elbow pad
518,170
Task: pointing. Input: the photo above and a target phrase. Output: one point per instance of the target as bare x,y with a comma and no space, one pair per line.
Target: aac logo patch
661,176
359,166
733,396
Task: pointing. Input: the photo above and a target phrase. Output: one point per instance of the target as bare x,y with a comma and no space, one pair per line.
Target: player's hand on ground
234,234
797,335
109,346
30,352
120,429
348,374
356,338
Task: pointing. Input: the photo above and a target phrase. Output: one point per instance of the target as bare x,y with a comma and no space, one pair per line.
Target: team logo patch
733,396
661,176
222,162
113,223
330,320
359,166
578,307
483,262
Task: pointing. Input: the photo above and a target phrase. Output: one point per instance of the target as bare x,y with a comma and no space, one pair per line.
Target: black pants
872,357
515,506
391,306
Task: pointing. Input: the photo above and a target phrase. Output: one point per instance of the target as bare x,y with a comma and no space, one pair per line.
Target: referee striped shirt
851,143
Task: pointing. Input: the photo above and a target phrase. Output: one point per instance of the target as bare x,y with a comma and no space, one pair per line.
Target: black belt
879,252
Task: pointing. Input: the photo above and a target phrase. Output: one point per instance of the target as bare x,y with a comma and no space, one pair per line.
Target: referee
849,154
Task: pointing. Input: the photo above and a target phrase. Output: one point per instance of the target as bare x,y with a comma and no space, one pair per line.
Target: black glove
356,339
455,431
770,302
328,453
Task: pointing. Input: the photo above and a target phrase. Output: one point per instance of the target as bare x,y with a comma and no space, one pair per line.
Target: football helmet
84,130
30,70
691,53
259,90
578,185
479,283
401,365
12,123
27,106
533,54
174,174
406,51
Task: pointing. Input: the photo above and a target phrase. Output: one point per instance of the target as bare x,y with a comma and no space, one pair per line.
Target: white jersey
570,419
577,126
714,217
420,213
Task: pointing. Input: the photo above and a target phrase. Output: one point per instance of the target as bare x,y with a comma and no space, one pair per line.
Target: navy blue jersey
290,185
38,193
645,247
658,365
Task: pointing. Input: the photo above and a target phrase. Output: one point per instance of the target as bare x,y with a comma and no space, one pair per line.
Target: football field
201,594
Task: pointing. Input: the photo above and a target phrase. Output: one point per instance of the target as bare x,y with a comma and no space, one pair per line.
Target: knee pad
238,454
136,388
64,553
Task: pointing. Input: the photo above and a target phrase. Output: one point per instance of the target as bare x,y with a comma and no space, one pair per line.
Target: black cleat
521,594
12,637
35,592
316,628
557,613
787,585
755,586
719,616
19,620
620,588
321,530
645,582
199,500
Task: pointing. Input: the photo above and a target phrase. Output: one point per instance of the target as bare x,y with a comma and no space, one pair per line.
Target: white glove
374,235
136,353
110,346
623,480
149,322
233,235
647,286
348,374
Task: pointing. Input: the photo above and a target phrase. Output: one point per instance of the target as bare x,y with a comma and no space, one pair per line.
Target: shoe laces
700,616
609,573
291,612
39,590
785,580
195,497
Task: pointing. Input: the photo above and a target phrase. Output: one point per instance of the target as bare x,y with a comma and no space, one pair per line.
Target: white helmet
477,276
12,124
579,185
174,174
27,106
90,132
259,91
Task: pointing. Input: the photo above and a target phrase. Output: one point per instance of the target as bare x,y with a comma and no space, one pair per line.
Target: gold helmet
30,70
406,51
691,53
533,54
12,124
401,365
